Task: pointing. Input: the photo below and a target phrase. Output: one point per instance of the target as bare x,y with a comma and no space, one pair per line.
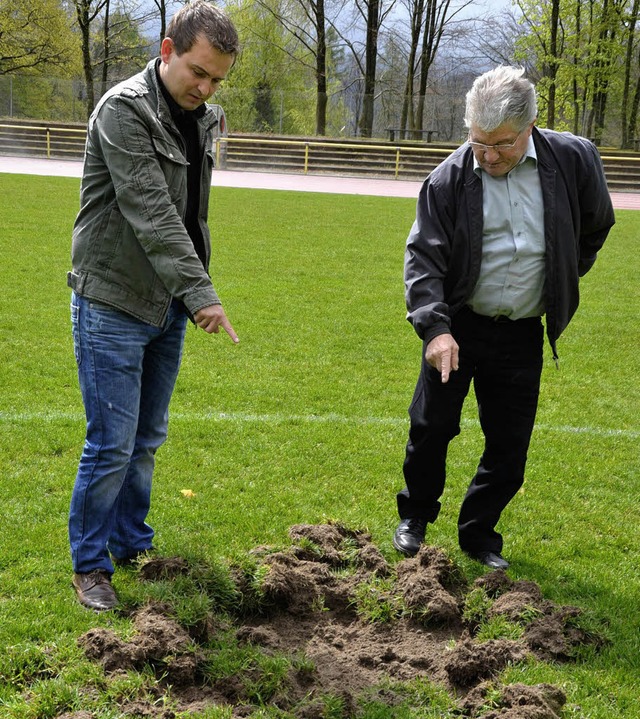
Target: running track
274,181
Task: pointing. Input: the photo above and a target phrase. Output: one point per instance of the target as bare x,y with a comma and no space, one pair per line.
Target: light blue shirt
511,280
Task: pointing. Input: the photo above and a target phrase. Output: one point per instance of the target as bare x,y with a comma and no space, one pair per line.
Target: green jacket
130,247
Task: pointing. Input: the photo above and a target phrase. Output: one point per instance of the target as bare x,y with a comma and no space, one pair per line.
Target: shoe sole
95,607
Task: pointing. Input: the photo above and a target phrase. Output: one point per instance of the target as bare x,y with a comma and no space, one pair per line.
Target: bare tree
416,13
117,43
374,14
428,21
87,11
162,11
308,27
439,14
629,120
106,45
493,38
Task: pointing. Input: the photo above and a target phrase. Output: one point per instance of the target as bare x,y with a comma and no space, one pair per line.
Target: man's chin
495,170
191,103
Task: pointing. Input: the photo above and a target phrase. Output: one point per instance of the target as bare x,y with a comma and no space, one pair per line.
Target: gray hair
500,96
202,18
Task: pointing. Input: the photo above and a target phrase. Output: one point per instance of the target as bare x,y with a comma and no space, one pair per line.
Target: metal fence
258,110
399,160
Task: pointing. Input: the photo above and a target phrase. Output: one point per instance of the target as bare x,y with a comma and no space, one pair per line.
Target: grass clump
22,665
499,627
477,604
419,699
244,672
376,601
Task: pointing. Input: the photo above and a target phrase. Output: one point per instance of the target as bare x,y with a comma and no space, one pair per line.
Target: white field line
250,418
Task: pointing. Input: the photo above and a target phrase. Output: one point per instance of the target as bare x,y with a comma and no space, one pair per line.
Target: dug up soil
314,608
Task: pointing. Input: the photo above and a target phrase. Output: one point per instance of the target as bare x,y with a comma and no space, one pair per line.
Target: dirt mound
330,620
158,641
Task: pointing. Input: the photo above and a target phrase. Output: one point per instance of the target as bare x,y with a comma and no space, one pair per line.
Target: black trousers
504,360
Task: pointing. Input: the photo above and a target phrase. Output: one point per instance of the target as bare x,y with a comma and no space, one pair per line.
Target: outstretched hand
442,353
212,318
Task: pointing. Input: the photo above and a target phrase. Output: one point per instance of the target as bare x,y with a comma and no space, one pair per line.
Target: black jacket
444,247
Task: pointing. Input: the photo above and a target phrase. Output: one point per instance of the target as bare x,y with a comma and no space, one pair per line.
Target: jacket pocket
174,168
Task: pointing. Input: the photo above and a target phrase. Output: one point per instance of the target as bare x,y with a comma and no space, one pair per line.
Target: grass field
304,421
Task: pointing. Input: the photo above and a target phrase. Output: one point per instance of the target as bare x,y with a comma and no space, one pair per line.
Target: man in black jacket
505,227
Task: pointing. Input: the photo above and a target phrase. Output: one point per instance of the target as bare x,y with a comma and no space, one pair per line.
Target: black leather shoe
410,535
494,560
94,590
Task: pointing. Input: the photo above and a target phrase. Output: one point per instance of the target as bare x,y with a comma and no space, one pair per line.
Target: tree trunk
84,21
162,8
633,117
627,120
321,70
106,39
435,22
576,63
371,56
407,119
552,65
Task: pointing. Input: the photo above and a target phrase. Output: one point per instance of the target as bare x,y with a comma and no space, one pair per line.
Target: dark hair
202,18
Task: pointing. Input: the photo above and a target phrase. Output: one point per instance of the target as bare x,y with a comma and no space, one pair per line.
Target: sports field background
305,420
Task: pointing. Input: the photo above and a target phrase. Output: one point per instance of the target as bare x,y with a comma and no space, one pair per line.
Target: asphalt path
274,181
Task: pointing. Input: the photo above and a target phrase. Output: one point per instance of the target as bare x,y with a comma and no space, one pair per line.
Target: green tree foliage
36,42
36,38
578,50
271,87
305,21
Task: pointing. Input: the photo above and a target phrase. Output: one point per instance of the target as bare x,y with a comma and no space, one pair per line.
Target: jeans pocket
106,320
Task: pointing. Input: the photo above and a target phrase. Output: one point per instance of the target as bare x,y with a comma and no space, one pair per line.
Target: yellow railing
307,144
38,137
41,137
70,140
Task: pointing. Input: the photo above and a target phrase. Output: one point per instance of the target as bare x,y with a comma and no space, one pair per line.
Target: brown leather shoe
94,590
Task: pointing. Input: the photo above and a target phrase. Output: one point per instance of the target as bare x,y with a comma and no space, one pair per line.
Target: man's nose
205,88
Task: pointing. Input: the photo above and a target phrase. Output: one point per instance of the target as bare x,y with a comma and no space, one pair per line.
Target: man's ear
167,48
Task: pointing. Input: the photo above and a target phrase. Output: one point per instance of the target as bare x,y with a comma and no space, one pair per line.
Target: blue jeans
127,371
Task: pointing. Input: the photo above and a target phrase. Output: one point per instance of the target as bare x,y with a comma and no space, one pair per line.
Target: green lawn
304,421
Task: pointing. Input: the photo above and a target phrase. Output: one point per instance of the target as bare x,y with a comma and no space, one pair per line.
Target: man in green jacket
140,255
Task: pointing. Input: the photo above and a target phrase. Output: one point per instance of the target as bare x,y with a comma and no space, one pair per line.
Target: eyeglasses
500,147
